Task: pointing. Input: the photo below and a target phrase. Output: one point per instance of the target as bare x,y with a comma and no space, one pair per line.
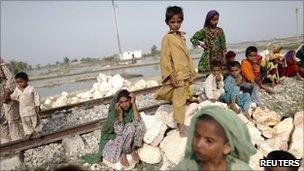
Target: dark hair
22,75
69,168
251,49
215,63
175,10
220,129
233,64
281,155
123,93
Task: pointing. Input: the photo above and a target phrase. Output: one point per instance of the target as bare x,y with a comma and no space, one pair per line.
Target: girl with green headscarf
218,140
122,132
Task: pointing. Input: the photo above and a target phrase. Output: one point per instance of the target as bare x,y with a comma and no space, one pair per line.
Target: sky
42,32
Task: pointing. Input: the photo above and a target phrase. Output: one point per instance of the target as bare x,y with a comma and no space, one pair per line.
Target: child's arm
166,64
14,95
37,101
223,45
198,36
208,87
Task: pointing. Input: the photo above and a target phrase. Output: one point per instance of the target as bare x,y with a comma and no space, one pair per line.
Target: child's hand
173,81
38,109
133,98
218,78
118,108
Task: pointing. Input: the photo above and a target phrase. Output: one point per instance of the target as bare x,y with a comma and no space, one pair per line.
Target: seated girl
291,68
122,133
218,140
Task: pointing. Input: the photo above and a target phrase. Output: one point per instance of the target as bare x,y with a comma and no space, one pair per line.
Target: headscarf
230,54
258,58
209,16
107,131
289,56
237,134
300,52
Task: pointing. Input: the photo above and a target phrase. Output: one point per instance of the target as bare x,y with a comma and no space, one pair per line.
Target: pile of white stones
105,86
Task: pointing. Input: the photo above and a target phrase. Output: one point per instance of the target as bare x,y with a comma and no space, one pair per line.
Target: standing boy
177,67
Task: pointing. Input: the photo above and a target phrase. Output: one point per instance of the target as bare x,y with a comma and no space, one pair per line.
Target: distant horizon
43,32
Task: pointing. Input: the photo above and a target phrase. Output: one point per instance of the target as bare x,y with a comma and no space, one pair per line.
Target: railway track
47,138
104,100
55,136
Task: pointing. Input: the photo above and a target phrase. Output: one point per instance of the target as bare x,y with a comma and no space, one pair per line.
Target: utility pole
297,22
117,31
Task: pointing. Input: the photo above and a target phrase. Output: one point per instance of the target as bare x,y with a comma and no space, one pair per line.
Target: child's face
214,21
21,82
230,59
251,57
175,23
207,142
125,103
235,71
216,71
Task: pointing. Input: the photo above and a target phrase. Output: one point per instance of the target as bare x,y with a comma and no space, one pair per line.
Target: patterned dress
215,41
128,136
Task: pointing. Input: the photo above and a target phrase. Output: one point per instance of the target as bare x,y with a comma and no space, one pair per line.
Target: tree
154,51
66,60
17,66
57,63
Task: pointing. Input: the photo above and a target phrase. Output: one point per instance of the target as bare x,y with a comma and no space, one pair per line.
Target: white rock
72,144
102,78
141,84
150,154
155,129
127,83
49,100
266,130
117,82
254,161
281,135
264,117
298,118
209,103
296,146
74,100
97,95
191,109
97,133
165,113
61,101
255,134
174,146
104,87
11,163
151,83
167,165
84,95
64,93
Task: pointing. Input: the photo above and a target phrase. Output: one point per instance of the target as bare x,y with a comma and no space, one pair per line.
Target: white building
131,55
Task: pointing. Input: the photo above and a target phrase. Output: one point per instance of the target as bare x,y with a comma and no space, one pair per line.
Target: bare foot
123,160
135,156
183,130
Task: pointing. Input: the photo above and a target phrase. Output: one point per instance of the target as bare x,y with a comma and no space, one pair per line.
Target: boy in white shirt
29,104
214,84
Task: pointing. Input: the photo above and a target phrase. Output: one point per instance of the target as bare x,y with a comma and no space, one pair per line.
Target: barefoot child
177,67
29,105
218,140
214,84
212,39
233,95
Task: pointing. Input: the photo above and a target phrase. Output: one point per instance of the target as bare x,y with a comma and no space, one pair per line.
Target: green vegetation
17,66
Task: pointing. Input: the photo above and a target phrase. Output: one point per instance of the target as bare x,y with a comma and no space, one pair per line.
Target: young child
233,95
280,155
29,105
214,84
177,67
291,68
218,140
230,56
212,39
